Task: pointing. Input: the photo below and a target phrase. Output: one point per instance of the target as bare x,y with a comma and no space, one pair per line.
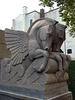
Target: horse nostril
47,49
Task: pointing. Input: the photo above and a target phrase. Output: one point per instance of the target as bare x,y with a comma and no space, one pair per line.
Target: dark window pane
31,21
69,51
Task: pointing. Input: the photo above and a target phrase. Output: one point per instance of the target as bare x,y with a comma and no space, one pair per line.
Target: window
31,21
69,51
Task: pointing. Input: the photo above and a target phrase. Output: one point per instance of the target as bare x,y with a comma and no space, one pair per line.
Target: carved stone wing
17,43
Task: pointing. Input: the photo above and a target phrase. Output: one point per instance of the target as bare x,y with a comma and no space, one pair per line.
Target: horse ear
65,26
55,22
52,21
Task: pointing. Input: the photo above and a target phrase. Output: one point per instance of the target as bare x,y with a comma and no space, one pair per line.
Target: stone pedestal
54,92
10,96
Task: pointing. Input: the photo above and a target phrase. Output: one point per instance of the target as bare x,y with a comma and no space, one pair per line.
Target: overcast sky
10,9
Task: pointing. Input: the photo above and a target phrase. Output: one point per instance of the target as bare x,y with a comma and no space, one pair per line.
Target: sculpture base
51,92
64,96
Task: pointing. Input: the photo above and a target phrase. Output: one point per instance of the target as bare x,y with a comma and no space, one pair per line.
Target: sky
10,9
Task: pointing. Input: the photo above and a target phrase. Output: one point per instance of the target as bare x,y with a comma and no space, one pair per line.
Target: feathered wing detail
17,42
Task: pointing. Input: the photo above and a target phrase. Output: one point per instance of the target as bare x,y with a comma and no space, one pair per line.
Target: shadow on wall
4,52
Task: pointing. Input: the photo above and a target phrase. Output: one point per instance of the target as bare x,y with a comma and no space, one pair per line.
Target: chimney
42,13
25,9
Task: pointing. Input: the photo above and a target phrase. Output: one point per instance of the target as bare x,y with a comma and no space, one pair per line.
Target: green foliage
71,81
72,31
48,3
66,11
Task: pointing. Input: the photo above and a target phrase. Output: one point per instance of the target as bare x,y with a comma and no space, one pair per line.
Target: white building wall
70,44
54,14
34,16
19,23
22,22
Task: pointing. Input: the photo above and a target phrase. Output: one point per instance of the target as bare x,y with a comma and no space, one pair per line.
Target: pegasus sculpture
36,59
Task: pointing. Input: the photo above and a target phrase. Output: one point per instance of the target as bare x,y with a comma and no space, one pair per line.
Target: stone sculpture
36,60
61,58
